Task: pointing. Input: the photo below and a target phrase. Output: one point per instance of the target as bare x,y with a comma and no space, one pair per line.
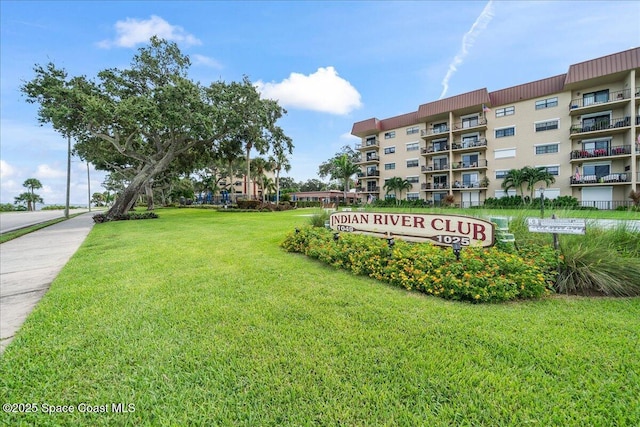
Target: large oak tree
150,118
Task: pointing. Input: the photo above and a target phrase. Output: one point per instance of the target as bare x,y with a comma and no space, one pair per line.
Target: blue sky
330,64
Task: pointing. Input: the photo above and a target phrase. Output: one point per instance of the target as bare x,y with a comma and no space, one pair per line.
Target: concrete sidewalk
29,264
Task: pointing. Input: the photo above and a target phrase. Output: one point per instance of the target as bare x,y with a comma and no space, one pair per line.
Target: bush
100,218
248,204
481,275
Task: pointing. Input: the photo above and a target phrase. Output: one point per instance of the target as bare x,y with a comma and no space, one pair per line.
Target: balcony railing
481,163
601,152
435,186
587,102
373,173
369,143
481,142
435,149
436,167
605,179
602,125
434,131
369,158
464,125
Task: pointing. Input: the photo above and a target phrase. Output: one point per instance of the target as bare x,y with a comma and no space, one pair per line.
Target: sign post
557,226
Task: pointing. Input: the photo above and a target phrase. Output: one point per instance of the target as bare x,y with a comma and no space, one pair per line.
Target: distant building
582,126
326,197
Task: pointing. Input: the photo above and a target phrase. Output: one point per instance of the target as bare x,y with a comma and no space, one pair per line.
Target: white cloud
132,32
6,170
46,171
206,61
321,91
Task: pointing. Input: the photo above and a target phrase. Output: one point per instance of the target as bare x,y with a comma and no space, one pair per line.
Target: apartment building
582,126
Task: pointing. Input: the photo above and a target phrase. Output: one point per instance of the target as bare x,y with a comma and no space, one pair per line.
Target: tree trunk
127,199
148,189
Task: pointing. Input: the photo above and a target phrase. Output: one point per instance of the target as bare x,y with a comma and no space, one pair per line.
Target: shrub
100,218
248,204
481,275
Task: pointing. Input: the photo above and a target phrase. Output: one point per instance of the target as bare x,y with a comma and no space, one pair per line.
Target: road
10,221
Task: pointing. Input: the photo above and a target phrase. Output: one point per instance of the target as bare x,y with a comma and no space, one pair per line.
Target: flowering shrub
481,275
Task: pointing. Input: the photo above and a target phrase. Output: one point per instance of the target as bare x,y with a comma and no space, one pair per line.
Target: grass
199,318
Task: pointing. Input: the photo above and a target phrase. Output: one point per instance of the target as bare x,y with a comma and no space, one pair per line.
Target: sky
328,63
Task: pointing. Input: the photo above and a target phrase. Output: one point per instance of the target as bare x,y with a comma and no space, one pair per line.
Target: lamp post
456,249
541,202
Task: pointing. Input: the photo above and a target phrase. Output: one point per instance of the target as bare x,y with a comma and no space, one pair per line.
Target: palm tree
259,166
28,198
343,170
514,178
532,176
32,184
396,184
281,145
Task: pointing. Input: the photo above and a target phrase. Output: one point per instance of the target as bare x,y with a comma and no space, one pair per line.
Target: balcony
369,143
480,164
370,190
435,167
435,186
465,185
612,178
433,149
584,105
369,158
373,173
464,145
434,132
602,127
466,126
620,150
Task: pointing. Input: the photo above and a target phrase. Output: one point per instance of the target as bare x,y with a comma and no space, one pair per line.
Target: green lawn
200,318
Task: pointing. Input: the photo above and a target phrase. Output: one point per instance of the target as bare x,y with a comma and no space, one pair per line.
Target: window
389,166
547,103
440,127
372,140
413,196
596,122
500,174
440,145
548,125
547,148
595,97
389,135
413,179
389,150
470,180
553,170
505,153
440,181
504,132
506,111
413,146
440,163
412,130
598,170
412,163
470,160
469,122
